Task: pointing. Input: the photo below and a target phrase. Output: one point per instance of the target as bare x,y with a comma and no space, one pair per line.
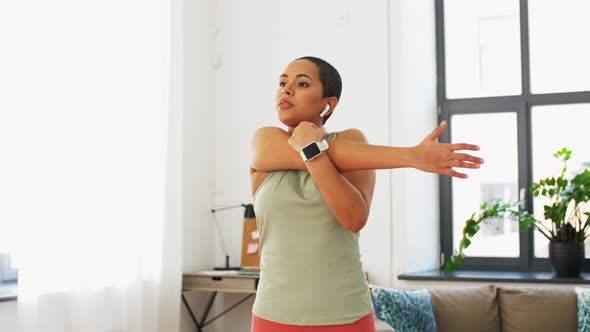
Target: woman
312,199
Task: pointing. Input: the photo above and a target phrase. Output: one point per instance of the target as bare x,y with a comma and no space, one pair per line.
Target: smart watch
313,150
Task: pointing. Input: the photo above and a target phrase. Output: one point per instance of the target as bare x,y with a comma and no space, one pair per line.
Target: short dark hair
330,78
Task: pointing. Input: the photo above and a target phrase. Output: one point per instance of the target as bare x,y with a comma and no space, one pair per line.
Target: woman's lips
285,105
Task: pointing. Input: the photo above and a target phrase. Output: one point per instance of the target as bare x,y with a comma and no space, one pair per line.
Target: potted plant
566,210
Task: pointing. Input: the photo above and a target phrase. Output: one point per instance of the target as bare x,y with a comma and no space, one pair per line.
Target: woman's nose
287,90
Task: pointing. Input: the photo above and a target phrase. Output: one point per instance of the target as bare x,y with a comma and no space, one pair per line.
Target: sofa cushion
404,310
466,309
538,309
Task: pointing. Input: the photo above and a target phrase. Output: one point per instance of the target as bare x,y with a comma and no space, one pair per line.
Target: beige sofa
502,309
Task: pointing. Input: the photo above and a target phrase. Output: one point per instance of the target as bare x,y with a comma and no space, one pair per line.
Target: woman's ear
330,105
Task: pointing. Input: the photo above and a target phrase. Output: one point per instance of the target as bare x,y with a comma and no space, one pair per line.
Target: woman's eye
303,84
281,84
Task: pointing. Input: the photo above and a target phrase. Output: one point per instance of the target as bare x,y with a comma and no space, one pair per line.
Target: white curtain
90,128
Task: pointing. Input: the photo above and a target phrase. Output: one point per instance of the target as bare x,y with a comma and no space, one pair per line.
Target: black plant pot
567,258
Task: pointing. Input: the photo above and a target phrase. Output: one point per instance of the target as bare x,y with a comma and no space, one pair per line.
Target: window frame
521,105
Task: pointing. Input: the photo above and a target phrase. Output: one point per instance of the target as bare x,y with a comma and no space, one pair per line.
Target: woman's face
299,94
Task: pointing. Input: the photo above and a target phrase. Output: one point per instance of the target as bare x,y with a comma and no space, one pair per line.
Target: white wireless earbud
325,111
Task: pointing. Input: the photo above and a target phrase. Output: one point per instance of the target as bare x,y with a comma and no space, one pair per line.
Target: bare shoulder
352,134
268,131
267,134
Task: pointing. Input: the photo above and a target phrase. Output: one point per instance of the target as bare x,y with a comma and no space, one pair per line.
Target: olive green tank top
310,265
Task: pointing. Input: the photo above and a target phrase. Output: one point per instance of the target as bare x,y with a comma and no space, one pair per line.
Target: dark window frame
519,104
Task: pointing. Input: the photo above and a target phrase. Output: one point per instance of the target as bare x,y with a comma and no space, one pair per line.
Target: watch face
311,151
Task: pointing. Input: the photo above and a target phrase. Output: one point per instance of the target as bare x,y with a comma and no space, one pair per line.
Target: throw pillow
404,310
583,298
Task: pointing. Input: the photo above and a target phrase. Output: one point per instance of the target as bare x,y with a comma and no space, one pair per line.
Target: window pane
555,127
496,179
559,45
482,48
8,271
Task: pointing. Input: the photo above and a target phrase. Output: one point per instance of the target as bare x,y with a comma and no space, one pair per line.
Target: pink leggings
365,324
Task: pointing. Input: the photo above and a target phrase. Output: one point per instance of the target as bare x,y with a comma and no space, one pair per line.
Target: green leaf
465,243
489,213
450,266
460,262
471,231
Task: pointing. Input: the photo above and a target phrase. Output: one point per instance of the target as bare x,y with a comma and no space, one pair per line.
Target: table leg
207,309
204,321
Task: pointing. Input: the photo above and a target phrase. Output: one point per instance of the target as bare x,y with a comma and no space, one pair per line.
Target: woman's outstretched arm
271,152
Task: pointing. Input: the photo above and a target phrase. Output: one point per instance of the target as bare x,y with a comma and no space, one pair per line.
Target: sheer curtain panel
90,109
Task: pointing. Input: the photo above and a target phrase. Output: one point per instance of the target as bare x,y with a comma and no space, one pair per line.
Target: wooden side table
218,281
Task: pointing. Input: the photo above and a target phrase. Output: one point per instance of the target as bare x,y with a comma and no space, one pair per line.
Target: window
8,271
8,277
514,79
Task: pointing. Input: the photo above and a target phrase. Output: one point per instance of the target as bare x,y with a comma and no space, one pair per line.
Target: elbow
259,165
255,164
355,219
258,162
357,224
355,229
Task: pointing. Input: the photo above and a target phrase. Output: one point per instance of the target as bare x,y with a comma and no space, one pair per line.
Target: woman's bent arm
348,194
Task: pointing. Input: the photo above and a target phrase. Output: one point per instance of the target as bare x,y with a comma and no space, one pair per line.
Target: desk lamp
227,266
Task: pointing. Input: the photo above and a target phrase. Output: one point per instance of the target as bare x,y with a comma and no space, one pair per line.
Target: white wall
199,138
198,145
388,71
256,41
414,201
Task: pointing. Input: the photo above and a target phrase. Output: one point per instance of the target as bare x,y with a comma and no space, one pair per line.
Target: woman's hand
435,157
305,133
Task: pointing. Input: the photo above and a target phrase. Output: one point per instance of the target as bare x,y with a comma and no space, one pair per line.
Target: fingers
466,157
453,173
456,174
464,146
462,164
436,132
462,160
